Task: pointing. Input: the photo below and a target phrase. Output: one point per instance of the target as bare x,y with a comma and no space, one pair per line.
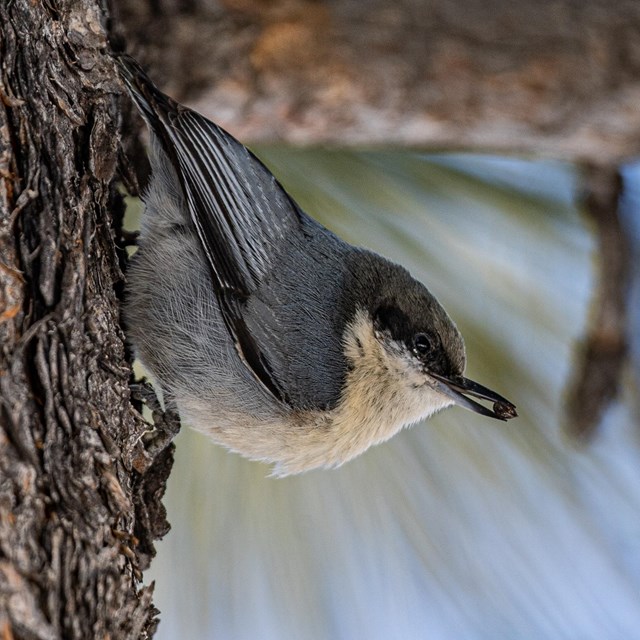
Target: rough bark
79,491
555,78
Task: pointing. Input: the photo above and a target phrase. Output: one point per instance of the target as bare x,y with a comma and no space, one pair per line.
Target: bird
272,335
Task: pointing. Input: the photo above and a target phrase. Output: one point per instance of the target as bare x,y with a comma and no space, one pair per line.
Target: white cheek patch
385,389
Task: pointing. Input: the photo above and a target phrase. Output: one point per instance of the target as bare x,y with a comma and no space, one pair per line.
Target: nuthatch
272,335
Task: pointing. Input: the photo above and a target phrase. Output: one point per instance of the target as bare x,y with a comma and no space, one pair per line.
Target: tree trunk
79,492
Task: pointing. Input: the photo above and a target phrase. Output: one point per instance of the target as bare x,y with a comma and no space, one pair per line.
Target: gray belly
175,324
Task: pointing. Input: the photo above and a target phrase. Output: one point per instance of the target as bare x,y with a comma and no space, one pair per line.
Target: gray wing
246,223
241,212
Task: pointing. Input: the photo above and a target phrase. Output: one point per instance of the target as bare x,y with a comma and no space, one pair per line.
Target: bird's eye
422,344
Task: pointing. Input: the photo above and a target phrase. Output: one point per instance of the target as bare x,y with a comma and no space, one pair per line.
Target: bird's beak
456,388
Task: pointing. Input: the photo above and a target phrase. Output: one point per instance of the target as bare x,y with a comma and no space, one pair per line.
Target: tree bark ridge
77,517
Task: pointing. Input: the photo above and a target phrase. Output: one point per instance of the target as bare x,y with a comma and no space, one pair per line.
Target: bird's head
404,342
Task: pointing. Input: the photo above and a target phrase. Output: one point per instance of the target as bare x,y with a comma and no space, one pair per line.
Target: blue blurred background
461,527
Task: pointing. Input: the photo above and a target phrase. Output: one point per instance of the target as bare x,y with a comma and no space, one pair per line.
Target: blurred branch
604,349
560,79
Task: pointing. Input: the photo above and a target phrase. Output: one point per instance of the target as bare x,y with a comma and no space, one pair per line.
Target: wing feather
241,213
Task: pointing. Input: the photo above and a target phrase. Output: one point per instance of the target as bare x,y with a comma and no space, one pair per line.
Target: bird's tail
154,106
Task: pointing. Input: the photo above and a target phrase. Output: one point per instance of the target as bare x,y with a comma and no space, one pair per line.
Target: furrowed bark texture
79,493
554,78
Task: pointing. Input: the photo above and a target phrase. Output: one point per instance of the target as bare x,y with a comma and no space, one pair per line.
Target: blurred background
462,527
